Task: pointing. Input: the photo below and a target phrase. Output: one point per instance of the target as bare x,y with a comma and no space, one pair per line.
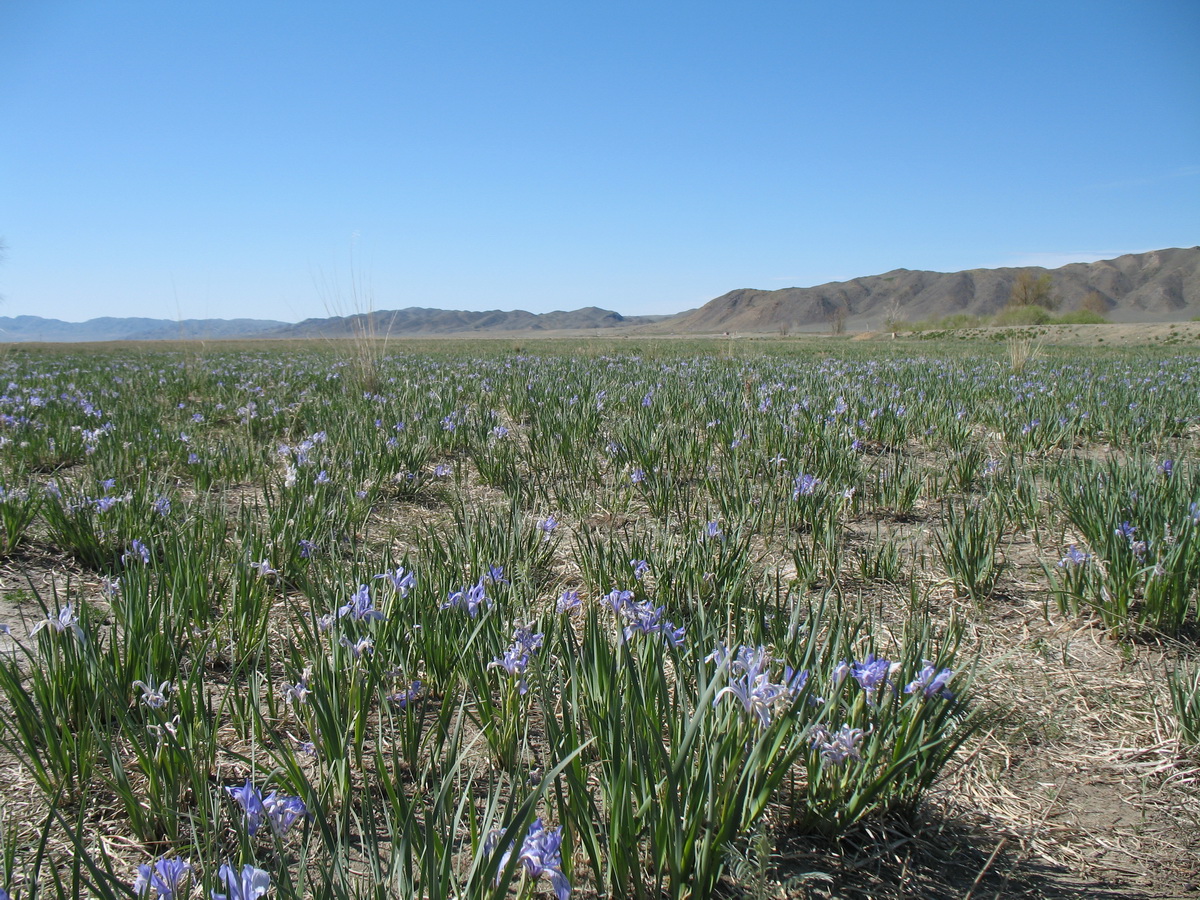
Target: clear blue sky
222,159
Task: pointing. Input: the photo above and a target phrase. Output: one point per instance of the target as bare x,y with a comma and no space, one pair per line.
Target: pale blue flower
364,646
405,697
297,693
541,854
1074,557
283,811
931,682
515,660
154,698
66,620
401,580
250,884
804,486
872,673
569,601
751,685
137,551
361,607
838,746
250,800
164,876
263,568
472,599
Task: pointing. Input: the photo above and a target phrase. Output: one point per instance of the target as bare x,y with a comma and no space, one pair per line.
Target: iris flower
249,884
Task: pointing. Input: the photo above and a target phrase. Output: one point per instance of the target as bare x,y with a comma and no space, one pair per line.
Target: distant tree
1095,302
837,320
891,316
1033,290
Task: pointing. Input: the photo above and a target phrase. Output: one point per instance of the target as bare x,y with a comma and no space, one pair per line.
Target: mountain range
1158,286
382,323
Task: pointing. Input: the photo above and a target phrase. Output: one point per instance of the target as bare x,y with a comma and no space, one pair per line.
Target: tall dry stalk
366,344
1022,351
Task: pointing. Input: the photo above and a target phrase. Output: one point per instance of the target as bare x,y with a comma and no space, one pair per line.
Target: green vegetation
477,618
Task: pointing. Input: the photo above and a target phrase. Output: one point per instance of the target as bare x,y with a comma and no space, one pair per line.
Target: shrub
1081,317
1022,315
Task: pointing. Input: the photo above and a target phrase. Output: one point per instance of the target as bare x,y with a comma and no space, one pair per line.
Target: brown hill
1160,286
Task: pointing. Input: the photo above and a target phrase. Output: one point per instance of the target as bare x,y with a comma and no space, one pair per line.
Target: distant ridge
1159,286
421,321
108,328
393,323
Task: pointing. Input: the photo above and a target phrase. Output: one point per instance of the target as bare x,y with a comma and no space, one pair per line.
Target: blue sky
288,160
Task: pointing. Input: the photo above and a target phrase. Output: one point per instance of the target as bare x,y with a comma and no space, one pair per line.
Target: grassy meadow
599,619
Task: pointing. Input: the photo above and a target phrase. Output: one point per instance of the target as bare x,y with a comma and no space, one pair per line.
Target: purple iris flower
872,673
617,599
643,617
263,568
278,810
249,884
250,800
569,601
804,486
541,854
472,599
750,682
1074,557
838,746
297,693
164,876
137,550
931,682
154,698
405,697
361,607
283,811
515,660
364,646
66,620
401,580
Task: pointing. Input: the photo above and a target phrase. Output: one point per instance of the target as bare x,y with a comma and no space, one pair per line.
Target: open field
817,617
